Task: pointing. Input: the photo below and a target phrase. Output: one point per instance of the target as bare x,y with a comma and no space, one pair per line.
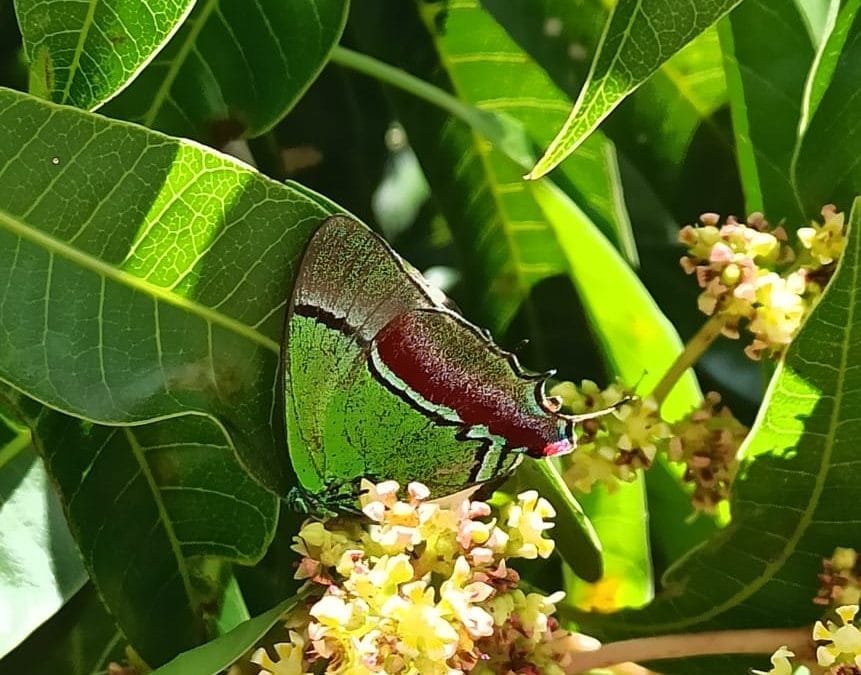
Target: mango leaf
835,31
640,35
637,339
792,501
84,53
826,165
142,502
215,657
235,68
656,127
767,80
639,344
40,567
80,639
144,276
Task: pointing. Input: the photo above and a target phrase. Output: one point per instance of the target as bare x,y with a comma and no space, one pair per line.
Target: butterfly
383,379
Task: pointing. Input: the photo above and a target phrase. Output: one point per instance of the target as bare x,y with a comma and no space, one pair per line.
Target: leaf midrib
79,49
56,247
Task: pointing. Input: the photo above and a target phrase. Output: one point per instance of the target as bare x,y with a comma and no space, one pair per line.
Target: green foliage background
144,278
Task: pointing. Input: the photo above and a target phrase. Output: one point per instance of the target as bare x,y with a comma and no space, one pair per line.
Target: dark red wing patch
450,364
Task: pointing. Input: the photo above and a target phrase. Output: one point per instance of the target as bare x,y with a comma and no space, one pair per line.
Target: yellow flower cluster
750,274
422,588
612,447
707,441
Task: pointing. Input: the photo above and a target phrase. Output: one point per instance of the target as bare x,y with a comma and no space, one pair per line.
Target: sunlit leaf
83,53
640,35
144,276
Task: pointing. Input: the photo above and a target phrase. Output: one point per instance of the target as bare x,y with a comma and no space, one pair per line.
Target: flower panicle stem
638,650
693,350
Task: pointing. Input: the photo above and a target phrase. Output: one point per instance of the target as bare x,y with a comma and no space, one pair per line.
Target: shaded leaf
142,502
216,656
639,36
767,79
144,276
40,567
83,53
792,501
235,68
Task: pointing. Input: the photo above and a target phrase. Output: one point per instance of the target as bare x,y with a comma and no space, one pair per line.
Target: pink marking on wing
556,448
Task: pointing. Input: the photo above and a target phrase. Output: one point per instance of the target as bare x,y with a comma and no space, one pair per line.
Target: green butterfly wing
382,380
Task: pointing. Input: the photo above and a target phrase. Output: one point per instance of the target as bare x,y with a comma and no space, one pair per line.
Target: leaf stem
9,451
757,641
693,350
397,77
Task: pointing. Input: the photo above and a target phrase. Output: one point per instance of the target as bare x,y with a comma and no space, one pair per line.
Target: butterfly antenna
582,417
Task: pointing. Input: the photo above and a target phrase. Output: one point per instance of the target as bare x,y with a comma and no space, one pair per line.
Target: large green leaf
81,639
83,53
40,567
235,68
142,503
144,277
639,36
767,79
826,166
793,502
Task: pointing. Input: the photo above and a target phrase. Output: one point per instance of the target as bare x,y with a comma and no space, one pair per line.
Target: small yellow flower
844,638
780,664
827,241
526,522
781,309
422,629
290,659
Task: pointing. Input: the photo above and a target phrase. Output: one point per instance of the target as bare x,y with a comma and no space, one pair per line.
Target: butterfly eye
553,403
